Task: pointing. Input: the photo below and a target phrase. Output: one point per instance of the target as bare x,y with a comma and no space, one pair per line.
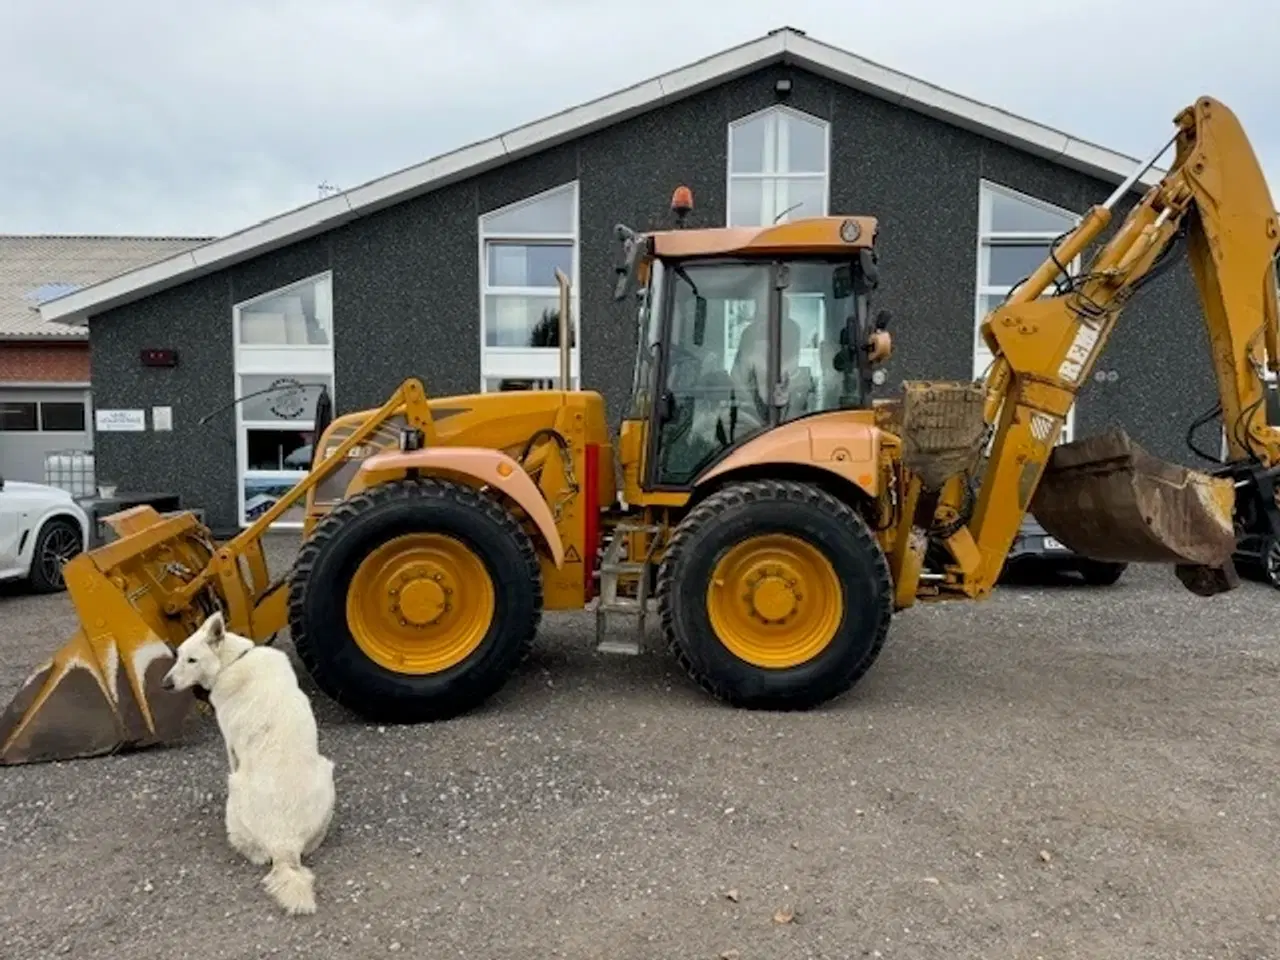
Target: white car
41,528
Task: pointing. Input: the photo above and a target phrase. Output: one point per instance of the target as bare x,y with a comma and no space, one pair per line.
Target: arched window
521,247
779,162
779,165
1015,234
283,353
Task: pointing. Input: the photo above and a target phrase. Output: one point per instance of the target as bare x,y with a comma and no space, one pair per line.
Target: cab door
715,367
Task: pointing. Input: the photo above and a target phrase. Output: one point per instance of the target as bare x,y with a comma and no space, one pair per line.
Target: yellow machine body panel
530,447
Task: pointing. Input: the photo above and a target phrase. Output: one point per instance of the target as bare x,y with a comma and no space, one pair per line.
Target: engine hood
36,491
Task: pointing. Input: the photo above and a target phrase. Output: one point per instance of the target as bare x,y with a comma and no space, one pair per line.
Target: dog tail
290,883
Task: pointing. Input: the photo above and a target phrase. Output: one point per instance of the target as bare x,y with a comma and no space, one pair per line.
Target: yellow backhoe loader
779,515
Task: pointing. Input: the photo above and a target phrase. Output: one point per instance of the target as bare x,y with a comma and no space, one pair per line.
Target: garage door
35,422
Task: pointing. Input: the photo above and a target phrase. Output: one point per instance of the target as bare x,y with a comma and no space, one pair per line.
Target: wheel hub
420,603
775,601
773,596
421,598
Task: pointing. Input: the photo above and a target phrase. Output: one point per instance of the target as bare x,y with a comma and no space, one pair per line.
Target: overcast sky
198,117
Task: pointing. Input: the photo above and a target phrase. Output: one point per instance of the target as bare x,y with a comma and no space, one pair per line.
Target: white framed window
283,345
1015,235
521,247
779,167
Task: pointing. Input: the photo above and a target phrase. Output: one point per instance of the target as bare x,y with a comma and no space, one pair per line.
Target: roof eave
785,45
952,108
73,335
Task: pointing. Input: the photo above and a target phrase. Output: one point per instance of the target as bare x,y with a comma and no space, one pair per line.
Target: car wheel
1103,574
1271,562
58,541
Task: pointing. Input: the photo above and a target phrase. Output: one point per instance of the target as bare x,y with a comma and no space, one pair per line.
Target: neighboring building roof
785,45
35,269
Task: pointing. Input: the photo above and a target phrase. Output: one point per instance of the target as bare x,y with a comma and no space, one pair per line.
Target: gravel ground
1056,772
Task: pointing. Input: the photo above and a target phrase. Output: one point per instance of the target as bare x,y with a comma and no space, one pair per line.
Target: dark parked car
1257,557
1034,547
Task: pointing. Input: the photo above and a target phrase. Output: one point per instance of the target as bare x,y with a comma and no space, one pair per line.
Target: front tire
415,601
1103,574
1269,565
774,595
58,541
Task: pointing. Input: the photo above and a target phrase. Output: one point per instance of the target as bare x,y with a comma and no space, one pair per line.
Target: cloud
200,117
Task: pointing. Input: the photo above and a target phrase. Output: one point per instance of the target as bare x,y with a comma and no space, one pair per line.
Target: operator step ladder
616,573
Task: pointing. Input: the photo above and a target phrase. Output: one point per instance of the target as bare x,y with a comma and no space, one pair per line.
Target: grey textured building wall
406,280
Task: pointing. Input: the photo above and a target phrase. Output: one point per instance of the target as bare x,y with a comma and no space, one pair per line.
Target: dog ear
215,629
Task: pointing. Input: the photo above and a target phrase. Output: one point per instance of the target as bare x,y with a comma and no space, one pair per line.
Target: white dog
280,792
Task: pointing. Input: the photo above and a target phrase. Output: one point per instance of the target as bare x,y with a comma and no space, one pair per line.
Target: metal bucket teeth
85,703
100,692
1108,499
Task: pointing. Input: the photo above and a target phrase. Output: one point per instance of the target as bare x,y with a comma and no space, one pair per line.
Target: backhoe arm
1216,196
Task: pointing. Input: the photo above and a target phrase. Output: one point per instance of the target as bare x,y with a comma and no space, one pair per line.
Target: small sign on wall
120,421
162,418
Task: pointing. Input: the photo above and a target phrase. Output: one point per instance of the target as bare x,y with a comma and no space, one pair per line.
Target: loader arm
257,609
1215,196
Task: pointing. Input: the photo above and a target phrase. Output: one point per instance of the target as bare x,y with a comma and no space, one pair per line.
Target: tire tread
329,681
35,579
758,491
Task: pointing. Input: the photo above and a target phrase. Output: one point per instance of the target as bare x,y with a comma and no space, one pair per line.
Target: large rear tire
415,601
774,595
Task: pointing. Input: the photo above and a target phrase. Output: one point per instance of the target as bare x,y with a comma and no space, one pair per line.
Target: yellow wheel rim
420,603
775,601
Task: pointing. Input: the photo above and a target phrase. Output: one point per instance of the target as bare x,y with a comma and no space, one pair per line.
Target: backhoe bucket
1108,499
100,692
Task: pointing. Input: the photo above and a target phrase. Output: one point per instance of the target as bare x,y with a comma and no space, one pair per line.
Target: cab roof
810,235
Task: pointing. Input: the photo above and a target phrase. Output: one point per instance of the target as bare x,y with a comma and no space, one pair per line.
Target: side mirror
699,320
322,418
842,281
868,261
633,250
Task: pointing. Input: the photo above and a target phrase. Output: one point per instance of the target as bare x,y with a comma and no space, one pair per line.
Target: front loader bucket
100,692
1108,499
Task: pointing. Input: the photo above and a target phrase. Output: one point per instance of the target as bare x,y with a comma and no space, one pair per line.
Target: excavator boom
1104,496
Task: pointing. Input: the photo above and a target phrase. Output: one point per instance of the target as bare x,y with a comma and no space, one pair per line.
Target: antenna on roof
326,188
794,206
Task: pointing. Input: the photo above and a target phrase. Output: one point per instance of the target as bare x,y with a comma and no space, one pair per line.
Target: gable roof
35,269
785,45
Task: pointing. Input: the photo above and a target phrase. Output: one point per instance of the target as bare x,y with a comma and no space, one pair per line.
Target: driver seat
750,371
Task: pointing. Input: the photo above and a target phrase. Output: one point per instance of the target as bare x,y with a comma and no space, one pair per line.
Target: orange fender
473,465
840,442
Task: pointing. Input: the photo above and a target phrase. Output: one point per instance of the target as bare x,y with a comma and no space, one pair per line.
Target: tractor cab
740,330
